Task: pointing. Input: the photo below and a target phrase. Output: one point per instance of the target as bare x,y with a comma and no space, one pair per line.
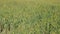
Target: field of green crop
29,16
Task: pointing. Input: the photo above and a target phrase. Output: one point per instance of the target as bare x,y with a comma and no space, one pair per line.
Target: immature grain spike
1,27
8,27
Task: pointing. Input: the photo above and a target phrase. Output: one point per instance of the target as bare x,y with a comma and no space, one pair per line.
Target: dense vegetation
29,16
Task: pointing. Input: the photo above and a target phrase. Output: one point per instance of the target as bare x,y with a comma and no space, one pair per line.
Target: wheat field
29,16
